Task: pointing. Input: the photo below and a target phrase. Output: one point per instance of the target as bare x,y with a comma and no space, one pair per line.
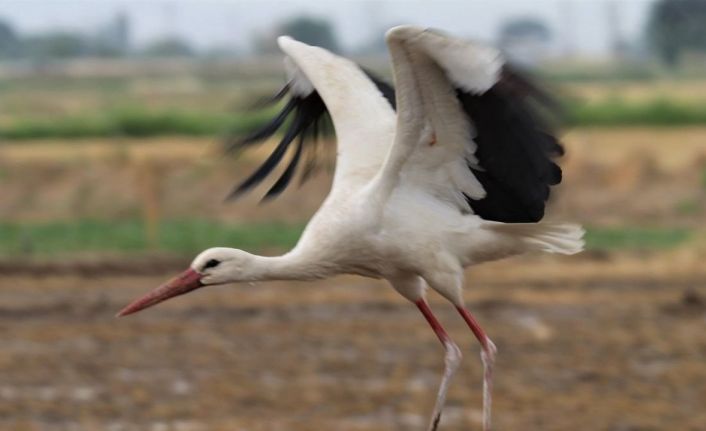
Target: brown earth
585,343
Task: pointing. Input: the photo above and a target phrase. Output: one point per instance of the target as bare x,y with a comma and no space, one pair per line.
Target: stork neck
290,266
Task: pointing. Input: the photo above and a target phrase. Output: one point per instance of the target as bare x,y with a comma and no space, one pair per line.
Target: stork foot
487,356
452,360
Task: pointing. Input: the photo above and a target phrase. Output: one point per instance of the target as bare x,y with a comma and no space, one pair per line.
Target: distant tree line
111,40
314,31
675,27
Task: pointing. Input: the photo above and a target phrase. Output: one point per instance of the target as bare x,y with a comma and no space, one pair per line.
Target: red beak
183,283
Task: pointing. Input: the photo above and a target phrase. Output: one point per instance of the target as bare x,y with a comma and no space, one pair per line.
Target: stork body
450,173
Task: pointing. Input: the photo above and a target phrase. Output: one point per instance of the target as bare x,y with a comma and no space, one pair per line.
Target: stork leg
451,360
487,356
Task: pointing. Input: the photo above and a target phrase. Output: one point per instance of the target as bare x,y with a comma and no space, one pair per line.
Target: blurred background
112,115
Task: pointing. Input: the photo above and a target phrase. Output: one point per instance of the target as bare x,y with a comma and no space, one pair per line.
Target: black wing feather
267,130
288,173
515,146
305,110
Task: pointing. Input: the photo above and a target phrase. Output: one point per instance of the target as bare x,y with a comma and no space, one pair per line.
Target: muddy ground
592,350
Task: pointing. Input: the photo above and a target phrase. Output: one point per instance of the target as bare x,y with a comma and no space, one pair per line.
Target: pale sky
207,23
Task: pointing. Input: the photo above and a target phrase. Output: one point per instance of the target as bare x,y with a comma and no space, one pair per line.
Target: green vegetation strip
186,237
636,238
133,123
659,112
145,123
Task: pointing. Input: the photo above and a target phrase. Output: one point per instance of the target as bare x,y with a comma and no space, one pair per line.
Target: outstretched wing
324,91
470,129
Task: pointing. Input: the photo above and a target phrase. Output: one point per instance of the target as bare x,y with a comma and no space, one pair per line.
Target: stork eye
211,263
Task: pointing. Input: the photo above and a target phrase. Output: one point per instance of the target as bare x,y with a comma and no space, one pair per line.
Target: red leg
487,355
451,361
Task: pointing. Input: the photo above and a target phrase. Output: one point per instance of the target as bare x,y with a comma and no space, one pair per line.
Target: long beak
183,283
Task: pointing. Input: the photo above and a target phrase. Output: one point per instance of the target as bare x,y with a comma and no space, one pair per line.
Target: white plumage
421,190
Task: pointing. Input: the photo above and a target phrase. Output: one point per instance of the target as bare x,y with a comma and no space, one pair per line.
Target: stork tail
562,238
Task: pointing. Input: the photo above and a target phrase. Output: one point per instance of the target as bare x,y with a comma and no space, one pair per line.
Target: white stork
450,169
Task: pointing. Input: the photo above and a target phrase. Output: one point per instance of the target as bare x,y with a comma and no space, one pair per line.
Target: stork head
214,266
